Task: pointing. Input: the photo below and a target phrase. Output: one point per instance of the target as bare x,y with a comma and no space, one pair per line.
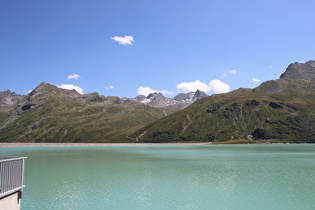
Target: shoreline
13,144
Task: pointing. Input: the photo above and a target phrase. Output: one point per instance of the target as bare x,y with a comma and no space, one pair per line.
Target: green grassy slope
279,109
51,114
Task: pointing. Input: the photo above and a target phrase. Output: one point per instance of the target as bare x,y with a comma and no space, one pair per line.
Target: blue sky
124,48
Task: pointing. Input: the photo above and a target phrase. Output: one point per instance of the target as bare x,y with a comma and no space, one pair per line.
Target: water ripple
169,177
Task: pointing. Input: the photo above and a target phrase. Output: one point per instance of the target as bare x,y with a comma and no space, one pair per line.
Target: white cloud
147,90
218,86
71,87
74,76
232,71
224,75
187,87
255,80
110,87
215,85
123,40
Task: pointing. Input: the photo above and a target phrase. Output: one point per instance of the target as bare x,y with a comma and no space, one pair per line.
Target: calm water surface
169,177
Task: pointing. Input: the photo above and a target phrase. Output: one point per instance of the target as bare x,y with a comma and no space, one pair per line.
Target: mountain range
280,110
180,101
52,114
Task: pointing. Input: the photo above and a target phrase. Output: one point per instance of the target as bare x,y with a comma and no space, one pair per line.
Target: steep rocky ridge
282,109
300,71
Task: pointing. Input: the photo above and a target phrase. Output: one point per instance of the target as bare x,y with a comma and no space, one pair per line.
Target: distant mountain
52,114
8,99
279,110
180,101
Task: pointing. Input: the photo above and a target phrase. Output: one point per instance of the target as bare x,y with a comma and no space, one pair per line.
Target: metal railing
11,175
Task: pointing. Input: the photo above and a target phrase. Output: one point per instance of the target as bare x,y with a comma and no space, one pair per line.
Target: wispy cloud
110,87
216,86
147,90
229,71
255,80
126,40
232,71
74,76
71,87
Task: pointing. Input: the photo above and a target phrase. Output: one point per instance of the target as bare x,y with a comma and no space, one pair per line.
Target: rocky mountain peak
181,100
45,88
154,95
199,95
184,96
8,98
156,100
298,77
300,71
192,96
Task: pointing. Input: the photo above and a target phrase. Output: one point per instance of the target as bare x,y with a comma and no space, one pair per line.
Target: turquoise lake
169,177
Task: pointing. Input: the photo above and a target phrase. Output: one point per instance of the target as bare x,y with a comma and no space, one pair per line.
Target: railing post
22,177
